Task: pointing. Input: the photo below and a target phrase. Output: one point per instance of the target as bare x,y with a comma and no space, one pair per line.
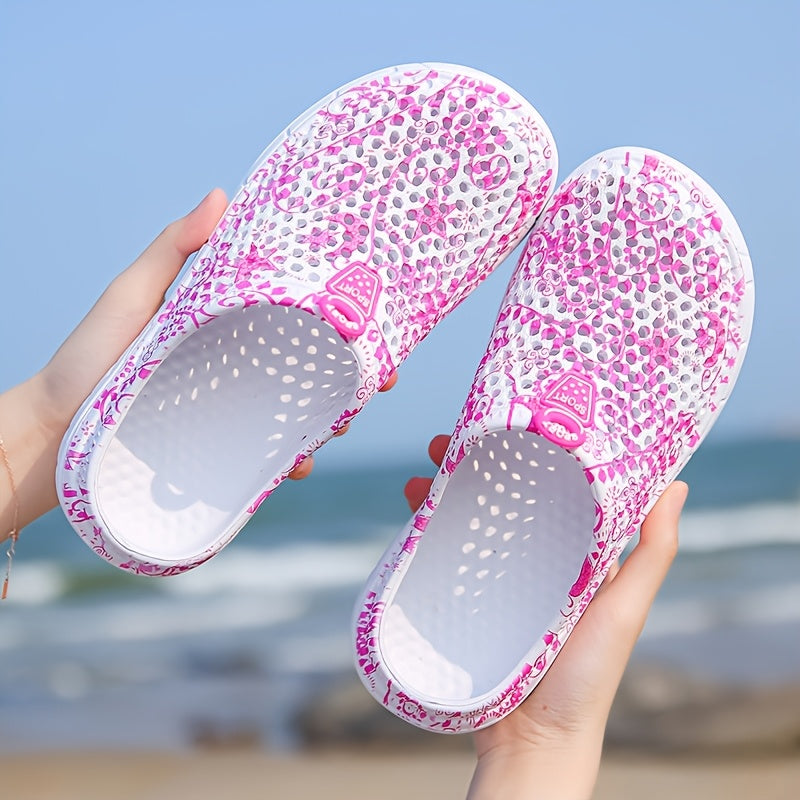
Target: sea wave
301,567
153,619
306,567
766,605
753,525
37,583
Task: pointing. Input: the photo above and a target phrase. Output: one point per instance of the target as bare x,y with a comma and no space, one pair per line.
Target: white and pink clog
361,226
618,342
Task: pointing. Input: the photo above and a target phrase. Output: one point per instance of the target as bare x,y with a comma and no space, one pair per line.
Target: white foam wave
36,583
771,605
146,620
303,568
716,529
290,568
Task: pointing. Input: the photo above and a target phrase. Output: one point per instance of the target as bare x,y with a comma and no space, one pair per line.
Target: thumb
615,617
148,278
126,306
633,590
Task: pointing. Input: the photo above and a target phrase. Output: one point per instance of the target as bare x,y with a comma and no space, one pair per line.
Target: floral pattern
378,212
619,338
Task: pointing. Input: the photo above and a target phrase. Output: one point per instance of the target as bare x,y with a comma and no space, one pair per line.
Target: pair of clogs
368,220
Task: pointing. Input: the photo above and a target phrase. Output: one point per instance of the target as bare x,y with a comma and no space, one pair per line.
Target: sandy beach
668,736
339,776
687,741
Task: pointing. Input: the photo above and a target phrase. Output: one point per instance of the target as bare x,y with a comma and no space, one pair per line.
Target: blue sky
118,117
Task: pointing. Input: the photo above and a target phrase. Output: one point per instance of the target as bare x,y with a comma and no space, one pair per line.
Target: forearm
30,447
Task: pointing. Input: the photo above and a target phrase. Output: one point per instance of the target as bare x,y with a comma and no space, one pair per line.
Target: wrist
31,439
52,409
550,773
532,764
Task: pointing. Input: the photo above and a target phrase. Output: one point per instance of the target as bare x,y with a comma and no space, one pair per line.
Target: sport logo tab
353,298
567,409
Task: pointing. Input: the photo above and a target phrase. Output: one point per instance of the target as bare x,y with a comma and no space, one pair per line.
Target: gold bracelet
15,525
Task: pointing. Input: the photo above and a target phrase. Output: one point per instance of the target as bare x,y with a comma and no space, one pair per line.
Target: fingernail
679,495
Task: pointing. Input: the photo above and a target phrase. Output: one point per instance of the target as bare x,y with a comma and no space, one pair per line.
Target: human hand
121,313
35,415
550,746
124,309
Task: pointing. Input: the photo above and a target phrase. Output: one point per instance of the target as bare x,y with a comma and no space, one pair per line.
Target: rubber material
619,340
359,228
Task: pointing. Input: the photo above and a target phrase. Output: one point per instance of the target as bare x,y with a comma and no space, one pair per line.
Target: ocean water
91,656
